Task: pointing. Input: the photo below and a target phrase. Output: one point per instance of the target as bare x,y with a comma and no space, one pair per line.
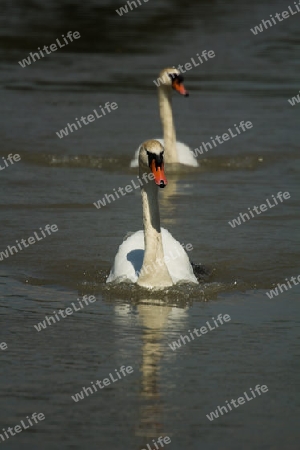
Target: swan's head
173,78
151,159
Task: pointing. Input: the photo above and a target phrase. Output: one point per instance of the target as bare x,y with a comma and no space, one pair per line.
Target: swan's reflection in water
156,317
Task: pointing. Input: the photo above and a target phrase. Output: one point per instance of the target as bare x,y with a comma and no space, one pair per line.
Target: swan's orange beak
159,174
179,87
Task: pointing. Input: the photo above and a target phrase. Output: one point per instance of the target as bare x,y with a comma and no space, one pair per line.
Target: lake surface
169,392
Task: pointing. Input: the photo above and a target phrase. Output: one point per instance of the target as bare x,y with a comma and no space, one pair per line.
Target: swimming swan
175,151
151,257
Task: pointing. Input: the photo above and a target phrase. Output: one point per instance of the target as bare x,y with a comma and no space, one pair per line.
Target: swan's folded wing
129,259
177,260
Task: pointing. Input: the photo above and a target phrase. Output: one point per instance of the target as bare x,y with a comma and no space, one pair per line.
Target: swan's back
129,259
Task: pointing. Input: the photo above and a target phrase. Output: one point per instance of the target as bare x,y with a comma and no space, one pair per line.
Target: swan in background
175,151
152,258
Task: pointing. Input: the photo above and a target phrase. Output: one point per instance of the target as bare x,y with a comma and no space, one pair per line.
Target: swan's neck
154,272
166,115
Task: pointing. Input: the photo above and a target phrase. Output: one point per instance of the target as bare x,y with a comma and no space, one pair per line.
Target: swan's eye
159,159
176,77
150,157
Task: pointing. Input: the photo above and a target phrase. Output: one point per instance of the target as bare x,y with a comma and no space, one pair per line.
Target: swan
175,151
151,258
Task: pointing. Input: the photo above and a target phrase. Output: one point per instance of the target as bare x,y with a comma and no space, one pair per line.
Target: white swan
151,258
175,151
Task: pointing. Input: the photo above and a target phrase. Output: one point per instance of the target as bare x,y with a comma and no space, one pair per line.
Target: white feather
129,259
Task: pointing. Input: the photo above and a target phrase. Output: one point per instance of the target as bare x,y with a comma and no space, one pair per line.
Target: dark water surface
57,181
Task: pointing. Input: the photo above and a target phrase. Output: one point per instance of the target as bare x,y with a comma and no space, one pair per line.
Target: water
57,180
